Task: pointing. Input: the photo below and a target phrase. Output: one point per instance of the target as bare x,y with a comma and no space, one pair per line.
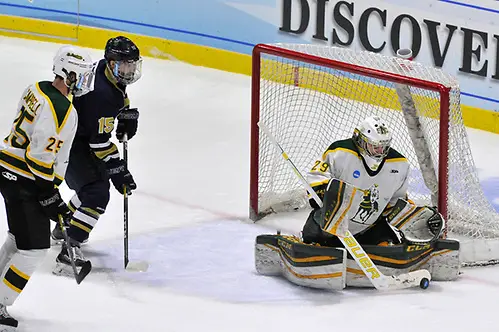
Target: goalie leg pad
444,264
440,258
302,264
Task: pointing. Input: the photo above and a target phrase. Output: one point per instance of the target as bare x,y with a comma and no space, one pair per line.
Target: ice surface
188,219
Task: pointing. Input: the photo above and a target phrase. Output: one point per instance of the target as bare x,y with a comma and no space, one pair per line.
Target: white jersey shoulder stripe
58,126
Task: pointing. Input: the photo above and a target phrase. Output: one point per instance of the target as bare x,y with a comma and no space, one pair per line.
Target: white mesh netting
308,106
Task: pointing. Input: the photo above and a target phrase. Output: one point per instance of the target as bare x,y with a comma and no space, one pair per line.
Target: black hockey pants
25,216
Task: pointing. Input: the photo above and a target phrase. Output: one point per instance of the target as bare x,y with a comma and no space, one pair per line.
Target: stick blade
85,270
406,280
139,266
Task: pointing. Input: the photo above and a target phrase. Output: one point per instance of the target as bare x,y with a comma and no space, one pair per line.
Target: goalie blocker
418,229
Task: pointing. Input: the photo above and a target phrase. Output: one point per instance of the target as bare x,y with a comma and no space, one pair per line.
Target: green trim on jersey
57,180
349,144
110,77
33,165
15,162
345,144
60,104
394,154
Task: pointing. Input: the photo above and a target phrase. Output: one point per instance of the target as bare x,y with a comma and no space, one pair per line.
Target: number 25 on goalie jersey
381,188
38,145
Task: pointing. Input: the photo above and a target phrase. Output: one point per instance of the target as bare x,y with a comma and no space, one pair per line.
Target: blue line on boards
217,37
111,19
479,97
471,6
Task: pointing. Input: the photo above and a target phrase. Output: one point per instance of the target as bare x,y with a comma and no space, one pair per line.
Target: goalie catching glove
418,224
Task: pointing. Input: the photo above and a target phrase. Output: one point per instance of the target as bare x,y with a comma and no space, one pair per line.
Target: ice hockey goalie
363,184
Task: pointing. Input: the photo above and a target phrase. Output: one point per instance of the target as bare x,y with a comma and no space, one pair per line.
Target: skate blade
138,266
64,270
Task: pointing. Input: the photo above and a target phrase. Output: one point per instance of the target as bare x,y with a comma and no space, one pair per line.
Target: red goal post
312,95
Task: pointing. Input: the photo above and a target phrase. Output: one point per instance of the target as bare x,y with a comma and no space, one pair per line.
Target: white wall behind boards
460,36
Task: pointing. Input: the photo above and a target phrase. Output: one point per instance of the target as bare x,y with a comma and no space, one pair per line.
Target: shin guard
17,272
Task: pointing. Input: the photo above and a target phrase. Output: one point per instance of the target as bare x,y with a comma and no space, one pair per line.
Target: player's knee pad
8,249
17,272
417,223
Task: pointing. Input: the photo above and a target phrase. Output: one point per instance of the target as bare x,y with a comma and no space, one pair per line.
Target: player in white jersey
33,161
367,162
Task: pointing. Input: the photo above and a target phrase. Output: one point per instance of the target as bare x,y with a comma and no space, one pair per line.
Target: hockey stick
380,281
140,266
85,268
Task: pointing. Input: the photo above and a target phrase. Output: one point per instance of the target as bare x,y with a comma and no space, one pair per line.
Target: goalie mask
373,139
75,66
123,59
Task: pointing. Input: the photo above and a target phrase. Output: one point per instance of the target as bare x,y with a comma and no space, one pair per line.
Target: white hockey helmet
373,138
75,65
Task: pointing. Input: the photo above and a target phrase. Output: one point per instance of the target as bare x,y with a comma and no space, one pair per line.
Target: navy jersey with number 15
97,112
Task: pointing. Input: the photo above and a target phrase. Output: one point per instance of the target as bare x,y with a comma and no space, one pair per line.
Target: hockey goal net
310,96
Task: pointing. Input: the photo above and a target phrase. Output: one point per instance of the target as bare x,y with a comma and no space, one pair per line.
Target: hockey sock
17,272
74,203
8,249
82,223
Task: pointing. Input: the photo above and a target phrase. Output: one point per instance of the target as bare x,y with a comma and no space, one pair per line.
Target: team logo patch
356,174
368,206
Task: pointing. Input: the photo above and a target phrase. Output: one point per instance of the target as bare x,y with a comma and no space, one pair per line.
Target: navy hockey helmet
123,58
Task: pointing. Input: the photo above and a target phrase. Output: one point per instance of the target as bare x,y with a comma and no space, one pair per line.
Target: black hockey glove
120,176
128,121
53,205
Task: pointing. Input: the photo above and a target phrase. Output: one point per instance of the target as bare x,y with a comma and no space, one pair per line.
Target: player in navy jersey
94,160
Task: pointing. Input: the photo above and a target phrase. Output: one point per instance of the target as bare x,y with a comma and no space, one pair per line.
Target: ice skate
58,237
7,322
63,261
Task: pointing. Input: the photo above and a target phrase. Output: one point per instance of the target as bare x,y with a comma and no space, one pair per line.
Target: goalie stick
85,268
380,281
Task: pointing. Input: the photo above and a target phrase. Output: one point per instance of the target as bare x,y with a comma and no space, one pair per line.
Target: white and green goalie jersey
381,188
39,142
